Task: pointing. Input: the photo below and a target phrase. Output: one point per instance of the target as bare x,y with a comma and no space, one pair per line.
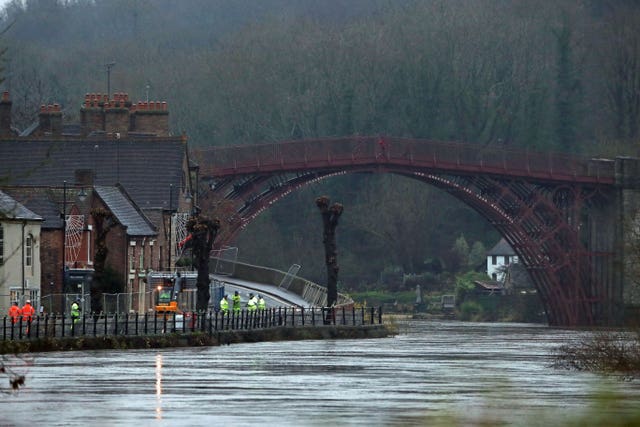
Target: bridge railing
292,155
140,324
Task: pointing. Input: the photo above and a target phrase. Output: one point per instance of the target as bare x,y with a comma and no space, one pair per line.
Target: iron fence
150,323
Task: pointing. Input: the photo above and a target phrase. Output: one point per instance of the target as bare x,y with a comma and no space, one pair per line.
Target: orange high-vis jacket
27,312
14,313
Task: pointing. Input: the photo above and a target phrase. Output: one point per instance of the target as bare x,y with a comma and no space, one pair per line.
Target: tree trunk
330,216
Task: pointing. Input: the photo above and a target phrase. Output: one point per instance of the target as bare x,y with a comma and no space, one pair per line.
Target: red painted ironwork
536,201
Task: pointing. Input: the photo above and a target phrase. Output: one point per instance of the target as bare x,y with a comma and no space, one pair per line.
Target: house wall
15,273
496,265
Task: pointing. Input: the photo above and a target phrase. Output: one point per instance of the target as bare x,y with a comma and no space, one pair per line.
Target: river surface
432,373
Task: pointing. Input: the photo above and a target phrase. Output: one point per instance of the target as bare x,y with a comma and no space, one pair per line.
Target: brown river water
431,373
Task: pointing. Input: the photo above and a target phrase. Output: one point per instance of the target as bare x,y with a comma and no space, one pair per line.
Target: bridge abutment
627,241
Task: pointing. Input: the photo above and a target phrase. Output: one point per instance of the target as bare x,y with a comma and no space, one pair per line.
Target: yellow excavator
167,297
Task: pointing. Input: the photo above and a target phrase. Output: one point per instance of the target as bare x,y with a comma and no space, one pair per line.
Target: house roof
12,209
46,201
120,204
501,248
147,167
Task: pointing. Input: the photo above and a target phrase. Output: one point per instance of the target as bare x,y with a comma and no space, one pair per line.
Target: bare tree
203,233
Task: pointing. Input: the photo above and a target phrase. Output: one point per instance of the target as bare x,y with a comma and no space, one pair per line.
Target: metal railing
150,323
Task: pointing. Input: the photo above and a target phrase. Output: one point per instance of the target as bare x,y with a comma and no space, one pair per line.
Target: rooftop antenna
109,66
148,86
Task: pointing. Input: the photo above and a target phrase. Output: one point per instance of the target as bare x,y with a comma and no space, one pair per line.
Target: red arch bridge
564,216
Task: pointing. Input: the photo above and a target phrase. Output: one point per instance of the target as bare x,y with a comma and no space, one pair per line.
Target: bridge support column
627,225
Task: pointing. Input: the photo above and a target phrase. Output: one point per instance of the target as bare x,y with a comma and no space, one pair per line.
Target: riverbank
196,339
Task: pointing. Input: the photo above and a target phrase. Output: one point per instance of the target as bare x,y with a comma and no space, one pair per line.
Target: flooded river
432,373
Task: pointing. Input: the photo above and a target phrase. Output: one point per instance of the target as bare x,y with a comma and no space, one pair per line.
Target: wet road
447,373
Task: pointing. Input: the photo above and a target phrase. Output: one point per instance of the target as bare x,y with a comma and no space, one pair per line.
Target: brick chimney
5,115
92,114
84,177
116,115
50,120
150,117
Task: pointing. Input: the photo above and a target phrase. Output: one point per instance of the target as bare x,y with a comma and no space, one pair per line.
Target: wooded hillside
536,74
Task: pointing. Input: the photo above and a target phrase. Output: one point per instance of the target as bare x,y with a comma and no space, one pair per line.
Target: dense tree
538,75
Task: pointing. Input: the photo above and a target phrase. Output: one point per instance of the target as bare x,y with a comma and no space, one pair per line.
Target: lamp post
109,66
63,216
170,222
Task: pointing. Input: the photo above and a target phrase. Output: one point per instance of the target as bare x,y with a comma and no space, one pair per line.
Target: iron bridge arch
550,208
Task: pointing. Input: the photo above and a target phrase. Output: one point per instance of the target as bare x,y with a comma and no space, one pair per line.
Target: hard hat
28,301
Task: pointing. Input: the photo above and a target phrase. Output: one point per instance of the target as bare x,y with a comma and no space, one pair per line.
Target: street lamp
63,216
109,66
170,222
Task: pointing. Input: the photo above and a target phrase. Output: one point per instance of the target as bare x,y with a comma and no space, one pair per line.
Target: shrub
470,310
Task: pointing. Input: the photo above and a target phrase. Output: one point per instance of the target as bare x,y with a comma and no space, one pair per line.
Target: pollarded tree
203,232
103,221
330,216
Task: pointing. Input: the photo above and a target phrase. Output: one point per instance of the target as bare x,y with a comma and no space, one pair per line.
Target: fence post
95,324
37,326
313,316
55,320
4,328
46,321
136,317
126,323
84,324
380,315
106,321
372,315
362,310
344,316
353,315
62,332
145,322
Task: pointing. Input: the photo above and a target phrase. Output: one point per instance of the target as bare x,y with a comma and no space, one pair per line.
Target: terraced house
119,179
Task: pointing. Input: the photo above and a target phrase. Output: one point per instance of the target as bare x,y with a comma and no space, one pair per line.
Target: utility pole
109,66
63,216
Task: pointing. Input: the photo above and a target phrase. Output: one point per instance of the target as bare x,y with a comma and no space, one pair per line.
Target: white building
498,260
19,253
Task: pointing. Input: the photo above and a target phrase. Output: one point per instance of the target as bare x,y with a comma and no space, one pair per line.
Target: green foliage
471,310
465,285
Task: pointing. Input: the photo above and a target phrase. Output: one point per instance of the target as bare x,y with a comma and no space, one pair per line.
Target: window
28,251
494,259
506,260
131,258
1,245
141,260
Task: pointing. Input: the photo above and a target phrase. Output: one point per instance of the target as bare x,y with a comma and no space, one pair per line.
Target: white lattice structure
179,228
73,237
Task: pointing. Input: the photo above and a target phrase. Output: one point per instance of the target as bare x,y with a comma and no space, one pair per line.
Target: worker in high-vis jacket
262,305
75,313
224,305
236,302
15,312
252,304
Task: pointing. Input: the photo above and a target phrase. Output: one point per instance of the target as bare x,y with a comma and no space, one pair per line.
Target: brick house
123,156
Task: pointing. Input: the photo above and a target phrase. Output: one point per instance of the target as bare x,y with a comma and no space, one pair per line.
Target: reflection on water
432,372
158,386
